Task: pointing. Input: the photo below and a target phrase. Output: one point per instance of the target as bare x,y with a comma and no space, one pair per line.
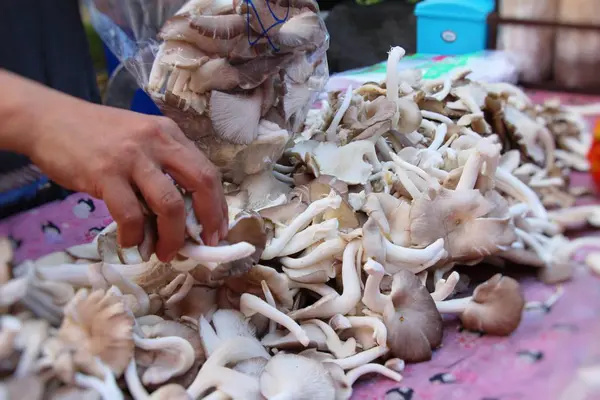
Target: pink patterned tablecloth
539,361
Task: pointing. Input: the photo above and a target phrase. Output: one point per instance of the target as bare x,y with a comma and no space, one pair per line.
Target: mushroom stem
392,77
508,183
319,288
10,329
332,130
284,169
456,306
413,168
372,297
444,288
324,251
440,136
362,358
470,172
219,254
137,390
208,336
300,222
311,235
108,388
283,178
436,117
377,325
338,348
271,301
405,180
230,382
424,258
344,303
250,305
354,374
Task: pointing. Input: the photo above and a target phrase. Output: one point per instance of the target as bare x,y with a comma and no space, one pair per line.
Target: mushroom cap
496,307
414,324
460,217
250,228
298,377
251,283
98,325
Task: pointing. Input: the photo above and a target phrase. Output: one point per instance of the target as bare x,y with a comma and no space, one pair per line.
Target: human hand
111,154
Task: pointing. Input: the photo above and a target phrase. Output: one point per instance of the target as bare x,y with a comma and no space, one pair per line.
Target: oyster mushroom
413,323
495,307
96,325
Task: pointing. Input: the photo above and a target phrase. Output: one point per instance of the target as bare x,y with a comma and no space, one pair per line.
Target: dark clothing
43,40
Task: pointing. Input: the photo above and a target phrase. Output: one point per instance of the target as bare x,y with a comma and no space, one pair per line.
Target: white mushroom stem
311,235
182,292
208,336
219,254
399,162
316,208
445,287
338,348
378,327
436,117
395,364
392,76
10,329
319,288
406,182
354,374
422,257
362,358
108,388
332,130
470,172
535,245
136,389
250,305
440,136
344,303
507,182
456,306
235,384
271,301
372,297
576,217
324,251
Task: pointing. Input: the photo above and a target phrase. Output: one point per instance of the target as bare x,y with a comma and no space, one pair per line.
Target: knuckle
131,218
171,203
209,177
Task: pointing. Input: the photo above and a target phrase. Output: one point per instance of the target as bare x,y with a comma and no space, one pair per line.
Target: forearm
22,101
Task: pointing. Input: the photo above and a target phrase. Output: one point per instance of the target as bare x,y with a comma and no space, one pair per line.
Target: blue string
265,32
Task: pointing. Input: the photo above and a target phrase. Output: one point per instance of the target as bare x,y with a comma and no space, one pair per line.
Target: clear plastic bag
229,72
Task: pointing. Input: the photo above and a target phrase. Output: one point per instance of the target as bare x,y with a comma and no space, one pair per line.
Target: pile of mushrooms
339,262
227,70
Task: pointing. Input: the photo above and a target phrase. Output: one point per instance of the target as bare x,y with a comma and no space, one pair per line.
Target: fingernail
214,240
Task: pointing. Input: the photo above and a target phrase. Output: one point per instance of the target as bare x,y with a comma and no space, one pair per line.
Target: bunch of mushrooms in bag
339,262
236,75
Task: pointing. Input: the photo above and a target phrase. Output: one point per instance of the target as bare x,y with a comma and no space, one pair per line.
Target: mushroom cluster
339,262
229,71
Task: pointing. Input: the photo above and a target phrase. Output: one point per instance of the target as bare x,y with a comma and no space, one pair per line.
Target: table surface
539,361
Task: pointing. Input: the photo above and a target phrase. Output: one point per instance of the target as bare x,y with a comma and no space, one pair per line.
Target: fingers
192,170
166,202
126,210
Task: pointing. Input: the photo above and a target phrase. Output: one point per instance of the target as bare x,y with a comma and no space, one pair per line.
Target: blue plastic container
452,27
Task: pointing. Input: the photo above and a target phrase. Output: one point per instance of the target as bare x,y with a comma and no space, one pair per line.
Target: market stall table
541,360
